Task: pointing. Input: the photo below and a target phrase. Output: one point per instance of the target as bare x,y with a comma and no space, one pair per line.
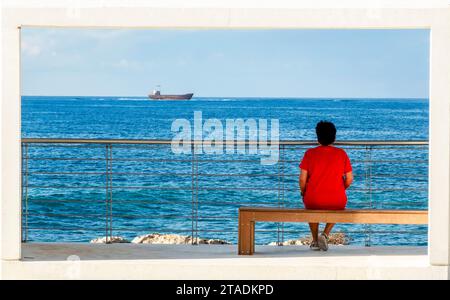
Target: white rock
173,239
113,239
217,242
156,238
338,238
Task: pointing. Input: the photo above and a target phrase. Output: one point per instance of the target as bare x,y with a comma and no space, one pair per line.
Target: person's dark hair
326,133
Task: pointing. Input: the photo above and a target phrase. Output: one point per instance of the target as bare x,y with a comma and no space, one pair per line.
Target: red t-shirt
326,166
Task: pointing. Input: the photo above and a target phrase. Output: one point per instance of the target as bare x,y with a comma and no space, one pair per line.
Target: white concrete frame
435,19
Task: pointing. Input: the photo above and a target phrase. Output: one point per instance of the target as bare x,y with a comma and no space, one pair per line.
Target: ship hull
171,97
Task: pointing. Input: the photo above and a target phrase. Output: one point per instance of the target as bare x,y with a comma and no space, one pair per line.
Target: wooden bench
248,216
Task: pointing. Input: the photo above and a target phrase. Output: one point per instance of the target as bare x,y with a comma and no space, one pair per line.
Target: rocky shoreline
157,238
338,238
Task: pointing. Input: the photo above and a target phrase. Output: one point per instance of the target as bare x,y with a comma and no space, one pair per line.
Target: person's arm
302,181
348,179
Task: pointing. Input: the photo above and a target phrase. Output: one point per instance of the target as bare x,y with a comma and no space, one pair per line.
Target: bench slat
341,216
284,210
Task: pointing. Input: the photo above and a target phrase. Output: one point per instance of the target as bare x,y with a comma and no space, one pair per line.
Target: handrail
226,142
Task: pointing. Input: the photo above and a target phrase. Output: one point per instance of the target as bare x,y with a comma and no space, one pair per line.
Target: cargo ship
156,95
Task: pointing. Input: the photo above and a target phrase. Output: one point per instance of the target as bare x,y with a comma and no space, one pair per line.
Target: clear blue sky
250,63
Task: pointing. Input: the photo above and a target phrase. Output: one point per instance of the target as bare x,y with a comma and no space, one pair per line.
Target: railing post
368,187
196,202
282,188
110,191
108,195
279,198
194,192
24,189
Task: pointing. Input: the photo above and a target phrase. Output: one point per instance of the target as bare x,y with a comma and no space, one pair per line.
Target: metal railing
80,189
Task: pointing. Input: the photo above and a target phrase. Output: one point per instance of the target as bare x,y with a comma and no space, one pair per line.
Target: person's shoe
314,246
323,242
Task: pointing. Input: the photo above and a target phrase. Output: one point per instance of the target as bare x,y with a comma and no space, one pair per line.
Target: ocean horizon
125,97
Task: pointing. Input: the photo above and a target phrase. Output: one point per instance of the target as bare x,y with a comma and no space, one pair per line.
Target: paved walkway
58,252
140,261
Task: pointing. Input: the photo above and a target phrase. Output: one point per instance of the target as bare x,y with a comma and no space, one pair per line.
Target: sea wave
132,99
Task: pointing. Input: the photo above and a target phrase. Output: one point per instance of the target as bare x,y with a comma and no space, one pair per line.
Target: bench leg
246,239
252,237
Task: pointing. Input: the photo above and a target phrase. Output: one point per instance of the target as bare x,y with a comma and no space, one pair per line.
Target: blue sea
66,186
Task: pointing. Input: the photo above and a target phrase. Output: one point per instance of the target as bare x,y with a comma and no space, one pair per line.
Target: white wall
112,14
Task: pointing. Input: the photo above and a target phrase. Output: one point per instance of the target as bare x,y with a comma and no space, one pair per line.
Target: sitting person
325,174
